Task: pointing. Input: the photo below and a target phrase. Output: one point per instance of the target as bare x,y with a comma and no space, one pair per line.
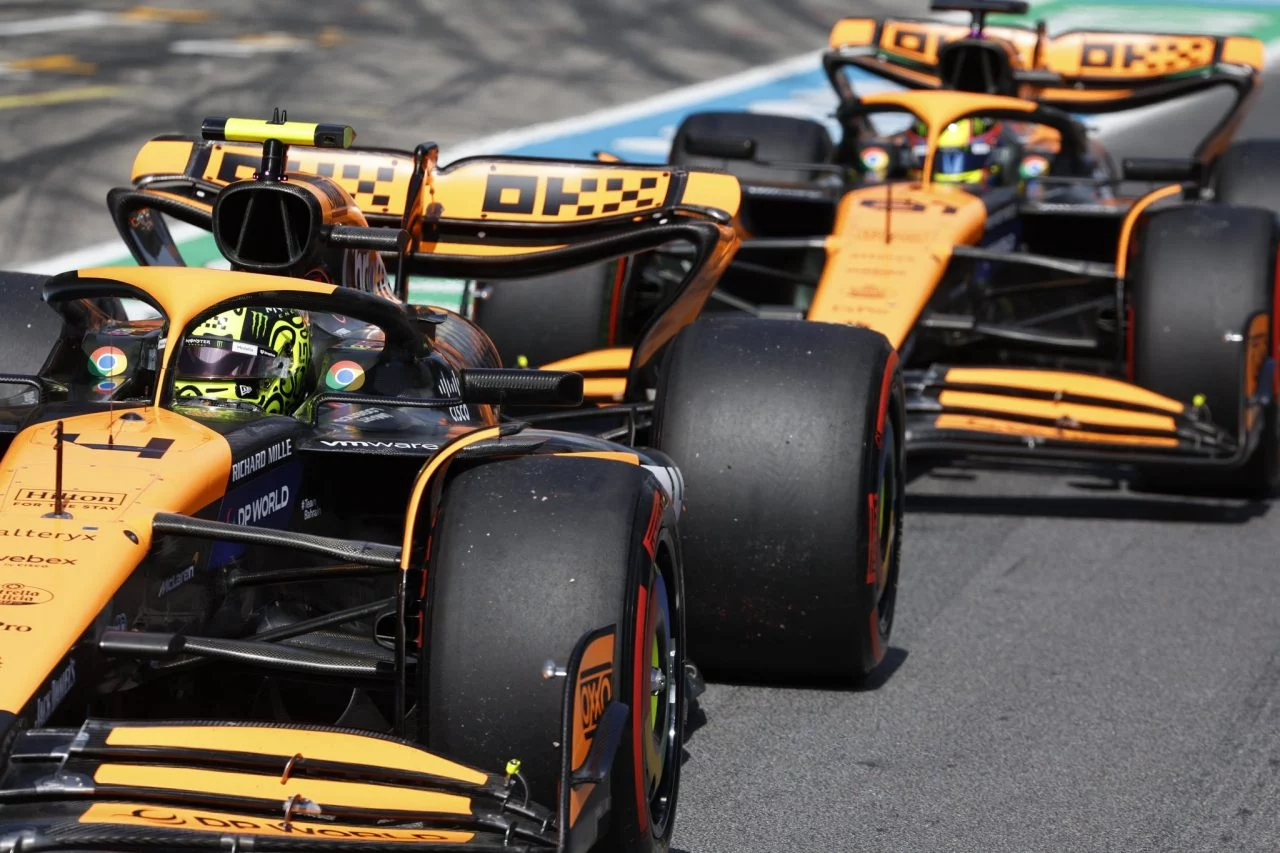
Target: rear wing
1091,71
477,218
380,182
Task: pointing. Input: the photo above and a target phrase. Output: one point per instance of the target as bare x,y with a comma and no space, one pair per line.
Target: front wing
1046,414
280,788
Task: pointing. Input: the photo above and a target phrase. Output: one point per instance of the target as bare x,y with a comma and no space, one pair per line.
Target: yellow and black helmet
255,355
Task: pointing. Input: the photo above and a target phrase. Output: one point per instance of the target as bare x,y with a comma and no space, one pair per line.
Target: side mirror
498,386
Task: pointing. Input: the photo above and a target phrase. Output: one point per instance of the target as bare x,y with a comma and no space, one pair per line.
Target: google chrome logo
345,376
108,361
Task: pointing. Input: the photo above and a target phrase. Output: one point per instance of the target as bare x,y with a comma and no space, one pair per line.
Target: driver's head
966,152
254,355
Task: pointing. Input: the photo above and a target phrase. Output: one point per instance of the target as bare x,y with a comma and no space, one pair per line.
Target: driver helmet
257,356
966,151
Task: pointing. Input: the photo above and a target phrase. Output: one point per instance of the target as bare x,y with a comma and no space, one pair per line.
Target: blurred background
83,84
1074,667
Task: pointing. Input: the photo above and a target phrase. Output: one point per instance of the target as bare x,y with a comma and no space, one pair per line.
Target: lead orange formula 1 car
239,608
276,571
807,589
1046,301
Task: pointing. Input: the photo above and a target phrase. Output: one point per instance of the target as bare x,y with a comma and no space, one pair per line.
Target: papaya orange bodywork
162,157
613,360
77,564
287,742
1131,220
360,795
884,285
112,497
595,683
1081,384
471,189
1057,410
972,423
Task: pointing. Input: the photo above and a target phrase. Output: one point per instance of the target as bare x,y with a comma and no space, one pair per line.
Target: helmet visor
961,161
207,358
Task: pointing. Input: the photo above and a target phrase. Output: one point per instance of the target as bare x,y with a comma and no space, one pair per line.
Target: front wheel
530,554
789,435
1202,289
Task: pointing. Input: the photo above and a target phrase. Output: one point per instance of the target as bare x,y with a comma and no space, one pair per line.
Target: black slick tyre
1202,289
529,554
789,435
535,321
1248,174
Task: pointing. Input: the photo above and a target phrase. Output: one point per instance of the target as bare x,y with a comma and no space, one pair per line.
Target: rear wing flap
477,218
475,193
1089,71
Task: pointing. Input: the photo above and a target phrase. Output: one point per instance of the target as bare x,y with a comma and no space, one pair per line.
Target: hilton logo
71,498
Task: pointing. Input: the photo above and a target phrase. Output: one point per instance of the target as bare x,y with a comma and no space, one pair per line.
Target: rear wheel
789,437
1248,174
778,139
1202,289
529,555
535,321
772,277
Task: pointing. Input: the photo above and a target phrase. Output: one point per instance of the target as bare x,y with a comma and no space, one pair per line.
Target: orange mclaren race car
276,573
808,500
1041,307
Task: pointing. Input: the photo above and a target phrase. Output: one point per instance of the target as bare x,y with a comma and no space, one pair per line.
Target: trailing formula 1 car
1041,307
807,500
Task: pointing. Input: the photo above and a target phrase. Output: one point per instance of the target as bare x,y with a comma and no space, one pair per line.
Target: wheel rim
658,729
887,500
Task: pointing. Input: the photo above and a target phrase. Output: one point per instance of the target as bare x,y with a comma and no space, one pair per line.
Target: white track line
57,23
672,100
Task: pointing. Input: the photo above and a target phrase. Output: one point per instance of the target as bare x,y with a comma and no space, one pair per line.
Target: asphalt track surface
1075,666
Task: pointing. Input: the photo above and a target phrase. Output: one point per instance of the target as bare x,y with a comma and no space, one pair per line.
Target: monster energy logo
259,329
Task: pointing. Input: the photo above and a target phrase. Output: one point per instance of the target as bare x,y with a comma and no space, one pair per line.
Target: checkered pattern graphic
592,196
1164,56
1141,56
372,186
